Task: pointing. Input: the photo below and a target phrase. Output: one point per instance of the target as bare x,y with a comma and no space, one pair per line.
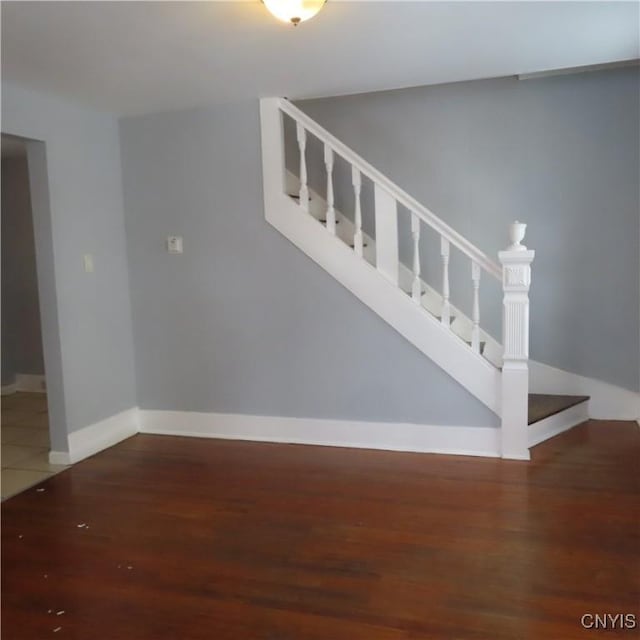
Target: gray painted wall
21,333
76,190
560,153
243,322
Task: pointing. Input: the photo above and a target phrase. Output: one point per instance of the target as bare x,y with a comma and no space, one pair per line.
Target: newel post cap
516,262
516,253
516,235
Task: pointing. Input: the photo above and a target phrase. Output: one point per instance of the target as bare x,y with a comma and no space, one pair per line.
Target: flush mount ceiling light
294,11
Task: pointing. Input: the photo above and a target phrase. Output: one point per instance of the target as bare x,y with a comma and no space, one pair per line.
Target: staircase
361,248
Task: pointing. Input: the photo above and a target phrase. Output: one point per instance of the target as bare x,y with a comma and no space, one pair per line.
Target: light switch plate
174,244
88,262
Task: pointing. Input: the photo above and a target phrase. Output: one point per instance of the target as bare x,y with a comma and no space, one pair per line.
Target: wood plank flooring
191,538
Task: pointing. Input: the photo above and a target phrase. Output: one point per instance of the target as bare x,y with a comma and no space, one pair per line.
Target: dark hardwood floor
189,538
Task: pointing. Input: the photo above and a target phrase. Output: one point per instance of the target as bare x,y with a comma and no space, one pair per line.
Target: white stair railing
514,273
388,196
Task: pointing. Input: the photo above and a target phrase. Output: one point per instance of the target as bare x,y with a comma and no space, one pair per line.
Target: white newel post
516,279
273,165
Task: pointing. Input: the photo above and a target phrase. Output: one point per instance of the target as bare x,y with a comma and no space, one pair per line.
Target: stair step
542,405
296,196
353,246
324,221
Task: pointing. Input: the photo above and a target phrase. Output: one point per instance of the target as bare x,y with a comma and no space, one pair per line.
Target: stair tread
543,405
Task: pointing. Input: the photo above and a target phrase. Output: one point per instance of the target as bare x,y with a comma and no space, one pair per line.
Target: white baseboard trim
8,389
30,382
470,441
608,402
558,423
98,436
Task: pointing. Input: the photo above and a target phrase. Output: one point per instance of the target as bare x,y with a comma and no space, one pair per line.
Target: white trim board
608,402
558,423
417,438
586,68
471,441
98,436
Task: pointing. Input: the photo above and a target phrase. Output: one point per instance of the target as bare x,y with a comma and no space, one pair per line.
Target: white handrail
393,189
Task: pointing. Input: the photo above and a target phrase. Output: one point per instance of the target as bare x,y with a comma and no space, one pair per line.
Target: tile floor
24,432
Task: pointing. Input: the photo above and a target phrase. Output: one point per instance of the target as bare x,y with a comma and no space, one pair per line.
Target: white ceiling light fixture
294,11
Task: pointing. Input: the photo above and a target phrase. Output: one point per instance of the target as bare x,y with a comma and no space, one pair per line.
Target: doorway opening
25,425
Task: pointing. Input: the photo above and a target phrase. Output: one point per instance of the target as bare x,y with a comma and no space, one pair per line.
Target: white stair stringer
461,324
415,323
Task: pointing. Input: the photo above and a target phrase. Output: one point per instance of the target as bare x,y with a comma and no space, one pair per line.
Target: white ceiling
137,57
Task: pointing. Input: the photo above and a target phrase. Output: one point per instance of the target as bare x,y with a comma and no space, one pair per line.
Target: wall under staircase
370,266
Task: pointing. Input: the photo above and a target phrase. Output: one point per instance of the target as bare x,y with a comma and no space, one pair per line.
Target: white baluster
416,285
475,316
446,307
356,179
302,145
331,212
